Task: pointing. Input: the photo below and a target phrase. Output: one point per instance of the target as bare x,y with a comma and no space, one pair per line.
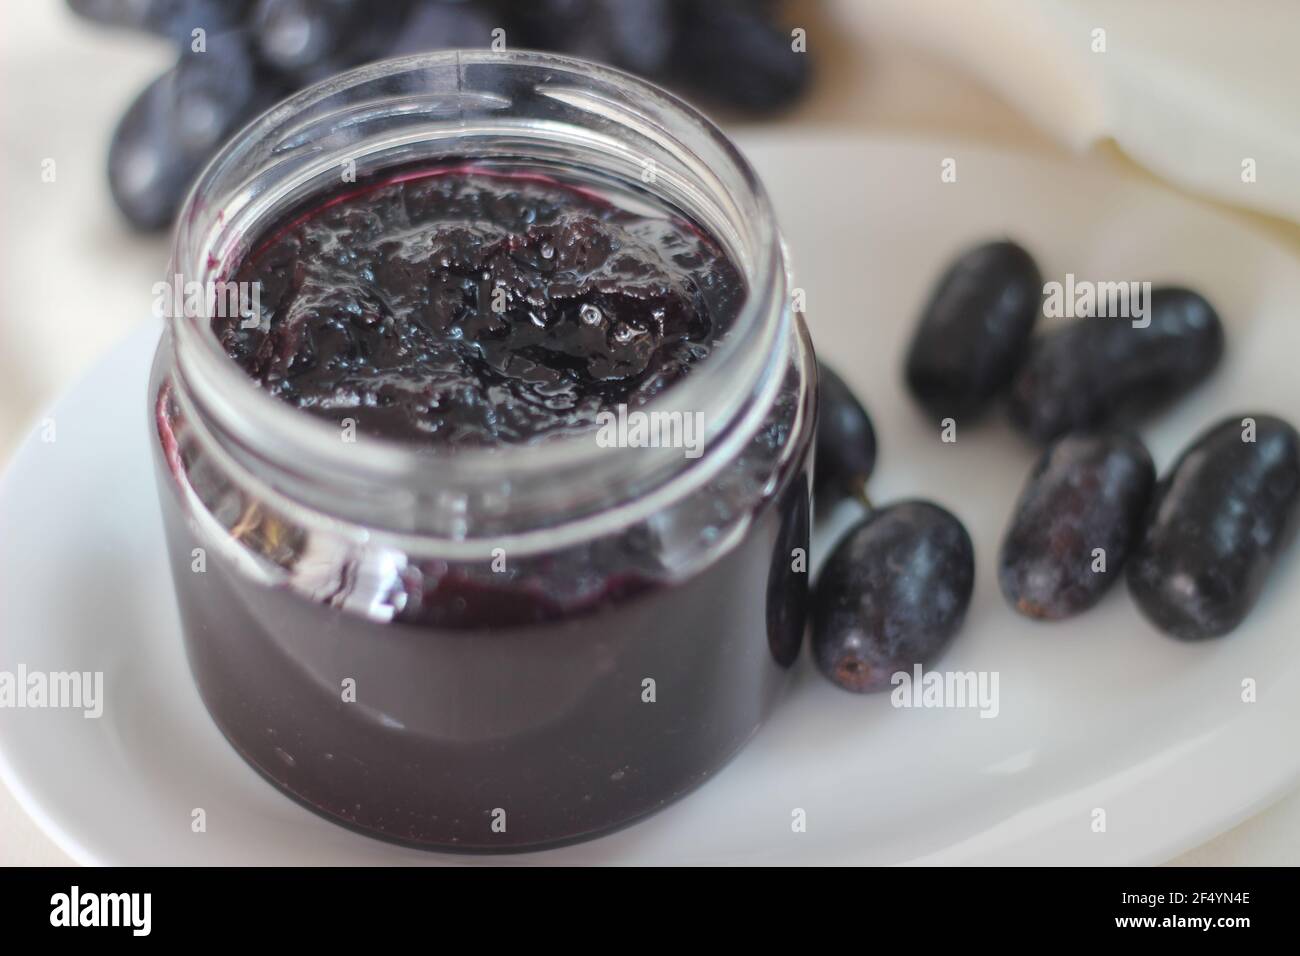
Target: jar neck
532,111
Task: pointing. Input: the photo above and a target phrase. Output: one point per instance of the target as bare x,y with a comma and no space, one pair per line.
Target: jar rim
729,385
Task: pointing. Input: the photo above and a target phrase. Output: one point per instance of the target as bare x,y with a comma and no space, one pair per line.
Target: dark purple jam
467,307
478,692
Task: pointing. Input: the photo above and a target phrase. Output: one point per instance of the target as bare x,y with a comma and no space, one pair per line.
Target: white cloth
1191,89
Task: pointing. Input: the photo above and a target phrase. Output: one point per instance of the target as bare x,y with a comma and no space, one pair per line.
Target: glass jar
507,647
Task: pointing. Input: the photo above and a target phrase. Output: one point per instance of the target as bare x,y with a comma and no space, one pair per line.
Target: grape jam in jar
489,522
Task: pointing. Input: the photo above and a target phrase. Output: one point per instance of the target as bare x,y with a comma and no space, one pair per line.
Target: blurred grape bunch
237,57
177,123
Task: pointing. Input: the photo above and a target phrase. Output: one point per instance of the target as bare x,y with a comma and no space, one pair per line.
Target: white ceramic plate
1099,713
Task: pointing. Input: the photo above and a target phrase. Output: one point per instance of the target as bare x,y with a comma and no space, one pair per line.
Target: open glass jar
504,647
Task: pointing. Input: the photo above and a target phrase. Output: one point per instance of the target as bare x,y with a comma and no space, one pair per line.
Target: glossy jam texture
463,306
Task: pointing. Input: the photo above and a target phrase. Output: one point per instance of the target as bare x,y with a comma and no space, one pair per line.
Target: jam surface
462,306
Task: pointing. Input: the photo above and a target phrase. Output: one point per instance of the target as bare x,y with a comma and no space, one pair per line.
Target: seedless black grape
1220,520
1077,519
892,594
974,331
1096,371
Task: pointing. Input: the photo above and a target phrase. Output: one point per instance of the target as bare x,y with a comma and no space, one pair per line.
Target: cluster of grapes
1196,546
247,54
